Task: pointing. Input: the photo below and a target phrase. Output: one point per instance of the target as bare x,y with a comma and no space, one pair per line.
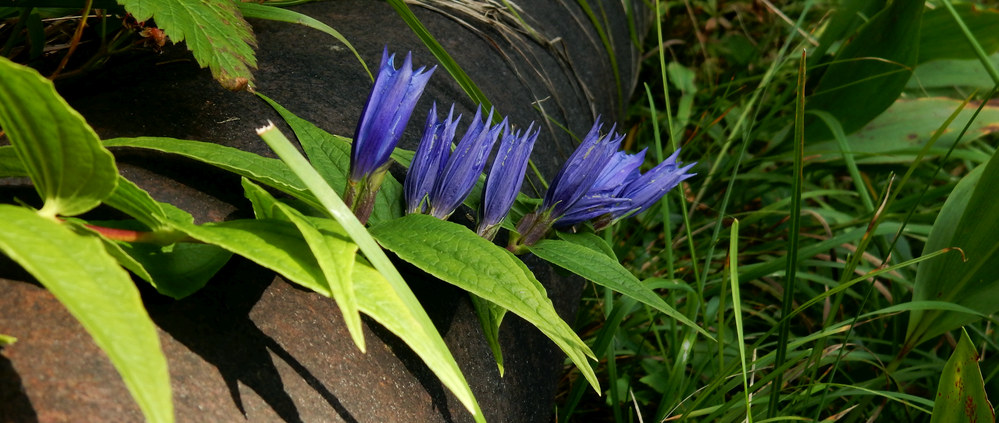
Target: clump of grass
722,82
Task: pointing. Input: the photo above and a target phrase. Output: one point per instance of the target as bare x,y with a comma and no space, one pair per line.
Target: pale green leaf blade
900,132
376,297
214,31
84,278
456,255
330,155
330,245
961,393
58,150
607,272
966,221
333,206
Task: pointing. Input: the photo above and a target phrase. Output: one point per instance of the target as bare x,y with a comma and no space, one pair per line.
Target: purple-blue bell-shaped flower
464,165
573,181
647,189
506,175
429,160
603,198
382,123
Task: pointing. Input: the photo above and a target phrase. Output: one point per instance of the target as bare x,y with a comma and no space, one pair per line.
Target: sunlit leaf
90,284
61,154
458,256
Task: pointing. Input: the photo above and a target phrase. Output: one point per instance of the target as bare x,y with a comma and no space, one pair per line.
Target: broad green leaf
961,393
846,17
330,155
607,272
274,244
901,131
589,240
90,284
261,11
491,317
869,73
270,172
330,245
456,255
941,77
58,150
10,165
214,31
279,246
377,298
941,38
966,221
177,270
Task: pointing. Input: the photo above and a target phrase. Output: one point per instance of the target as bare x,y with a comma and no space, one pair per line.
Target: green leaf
376,297
900,132
330,245
10,165
589,240
607,272
966,221
84,278
943,76
177,270
491,317
961,393
59,151
261,11
941,38
214,30
274,244
869,73
330,155
270,172
279,246
456,255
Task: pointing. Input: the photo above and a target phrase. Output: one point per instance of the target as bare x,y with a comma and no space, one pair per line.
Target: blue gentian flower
382,123
506,175
464,166
574,180
429,160
648,188
603,197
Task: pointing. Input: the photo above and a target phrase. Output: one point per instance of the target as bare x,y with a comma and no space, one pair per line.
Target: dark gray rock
250,346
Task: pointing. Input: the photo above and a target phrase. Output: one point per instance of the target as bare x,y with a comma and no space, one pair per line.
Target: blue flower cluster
597,183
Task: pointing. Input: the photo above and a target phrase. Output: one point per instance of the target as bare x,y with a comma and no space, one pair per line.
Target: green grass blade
792,244
733,267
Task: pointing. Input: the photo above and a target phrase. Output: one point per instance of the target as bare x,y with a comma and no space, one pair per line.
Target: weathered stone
250,346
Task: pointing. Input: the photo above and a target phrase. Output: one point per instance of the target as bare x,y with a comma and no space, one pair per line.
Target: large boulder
250,346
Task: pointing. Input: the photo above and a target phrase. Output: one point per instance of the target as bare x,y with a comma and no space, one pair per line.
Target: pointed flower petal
647,189
464,166
386,114
506,175
578,175
429,160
